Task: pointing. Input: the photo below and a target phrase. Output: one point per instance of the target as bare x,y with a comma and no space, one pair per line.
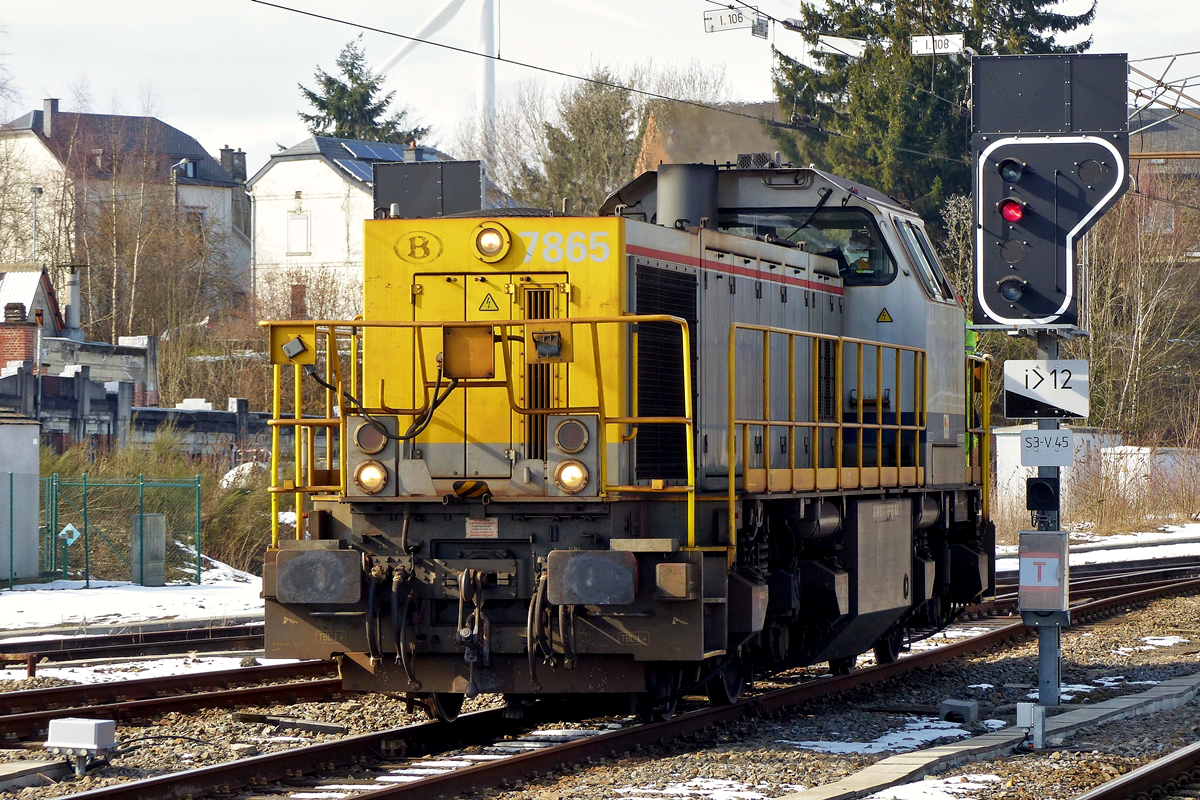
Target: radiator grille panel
538,305
826,391
661,450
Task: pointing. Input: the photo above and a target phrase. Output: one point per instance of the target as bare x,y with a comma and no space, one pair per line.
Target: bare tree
582,141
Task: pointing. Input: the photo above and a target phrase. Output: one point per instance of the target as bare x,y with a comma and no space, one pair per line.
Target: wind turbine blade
434,24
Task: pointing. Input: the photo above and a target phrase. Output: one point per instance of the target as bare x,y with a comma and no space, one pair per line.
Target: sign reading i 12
1046,389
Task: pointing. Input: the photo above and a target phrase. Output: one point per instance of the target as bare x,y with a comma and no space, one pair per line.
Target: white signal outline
1070,240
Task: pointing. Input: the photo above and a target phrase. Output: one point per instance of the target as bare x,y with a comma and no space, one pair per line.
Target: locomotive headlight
369,438
571,476
371,476
571,436
491,242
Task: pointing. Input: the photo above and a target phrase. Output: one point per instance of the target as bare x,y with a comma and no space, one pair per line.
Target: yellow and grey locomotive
730,420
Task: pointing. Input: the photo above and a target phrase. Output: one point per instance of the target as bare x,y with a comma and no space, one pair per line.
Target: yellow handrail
979,425
859,424
304,428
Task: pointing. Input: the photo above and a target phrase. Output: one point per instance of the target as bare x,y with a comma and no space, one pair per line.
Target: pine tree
349,106
591,150
896,121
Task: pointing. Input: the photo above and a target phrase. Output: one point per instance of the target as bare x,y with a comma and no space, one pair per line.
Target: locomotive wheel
658,703
842,666
887,649
726,687
445,706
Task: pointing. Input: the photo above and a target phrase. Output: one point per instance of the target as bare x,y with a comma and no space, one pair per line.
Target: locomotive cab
729,419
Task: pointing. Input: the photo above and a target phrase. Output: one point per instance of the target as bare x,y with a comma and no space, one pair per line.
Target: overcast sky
225,71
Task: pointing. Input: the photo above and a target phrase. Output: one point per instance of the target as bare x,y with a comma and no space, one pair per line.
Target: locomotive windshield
847,235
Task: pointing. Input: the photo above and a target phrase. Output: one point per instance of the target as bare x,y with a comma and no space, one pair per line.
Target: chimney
227,160
414,154
239,166
17,337
49,112
73,330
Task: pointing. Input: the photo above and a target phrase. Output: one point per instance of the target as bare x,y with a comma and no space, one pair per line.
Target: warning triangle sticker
884,316
489,303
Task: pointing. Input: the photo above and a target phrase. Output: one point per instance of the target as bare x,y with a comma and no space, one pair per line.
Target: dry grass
235,522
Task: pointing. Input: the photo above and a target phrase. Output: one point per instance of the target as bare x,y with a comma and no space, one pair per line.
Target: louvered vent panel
826,391
537,378
661,450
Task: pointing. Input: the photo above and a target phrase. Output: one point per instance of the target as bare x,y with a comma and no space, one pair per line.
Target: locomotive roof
644,186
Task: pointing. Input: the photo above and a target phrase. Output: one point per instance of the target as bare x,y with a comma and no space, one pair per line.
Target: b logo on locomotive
418,247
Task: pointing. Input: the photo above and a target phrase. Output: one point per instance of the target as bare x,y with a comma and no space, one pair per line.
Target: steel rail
1157,779
33,723
144,688
296,763
236,637
419,739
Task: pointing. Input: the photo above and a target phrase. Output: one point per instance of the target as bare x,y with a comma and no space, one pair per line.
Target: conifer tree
896,121
349,105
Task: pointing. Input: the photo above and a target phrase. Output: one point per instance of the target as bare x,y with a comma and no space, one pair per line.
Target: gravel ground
183,741
763,758
771,757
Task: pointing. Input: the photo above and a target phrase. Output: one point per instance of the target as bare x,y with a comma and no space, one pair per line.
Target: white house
308,206
52,161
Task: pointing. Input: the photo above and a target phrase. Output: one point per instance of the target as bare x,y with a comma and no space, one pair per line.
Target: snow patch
938,788
224,592
243,475
916,732
708,789
1144,553
1164,641
156,668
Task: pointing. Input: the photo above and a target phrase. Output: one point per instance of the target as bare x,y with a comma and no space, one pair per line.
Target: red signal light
1012,210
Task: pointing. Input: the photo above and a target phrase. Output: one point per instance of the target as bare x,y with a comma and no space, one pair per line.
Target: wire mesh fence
143,530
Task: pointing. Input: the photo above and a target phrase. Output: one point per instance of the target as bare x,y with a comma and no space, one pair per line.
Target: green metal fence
90,530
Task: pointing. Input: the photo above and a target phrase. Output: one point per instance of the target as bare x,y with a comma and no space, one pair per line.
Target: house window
298,232
189,169
193,217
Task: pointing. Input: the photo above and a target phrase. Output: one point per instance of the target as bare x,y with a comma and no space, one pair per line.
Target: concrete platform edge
914,765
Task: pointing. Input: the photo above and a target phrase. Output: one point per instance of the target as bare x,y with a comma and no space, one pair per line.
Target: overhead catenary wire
601,82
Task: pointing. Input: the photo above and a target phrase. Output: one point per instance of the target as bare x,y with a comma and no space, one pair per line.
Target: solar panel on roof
358,169
375,151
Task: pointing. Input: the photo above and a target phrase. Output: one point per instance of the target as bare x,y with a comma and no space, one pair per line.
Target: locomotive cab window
847,235
920,253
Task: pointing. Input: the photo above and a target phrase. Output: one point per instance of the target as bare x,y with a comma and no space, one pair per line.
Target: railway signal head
1035,197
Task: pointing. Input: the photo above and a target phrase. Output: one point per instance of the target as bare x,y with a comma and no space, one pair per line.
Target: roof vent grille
757,160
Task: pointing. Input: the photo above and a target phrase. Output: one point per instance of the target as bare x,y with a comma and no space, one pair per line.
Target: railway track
231,638
29,712
1174,776
451,775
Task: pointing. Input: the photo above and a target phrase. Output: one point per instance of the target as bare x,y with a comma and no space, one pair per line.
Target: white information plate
1046,389
1047,448
727,20
942,44
487,528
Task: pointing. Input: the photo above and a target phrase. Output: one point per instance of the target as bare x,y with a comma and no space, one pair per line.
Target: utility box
20,485
148,549
1044,572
